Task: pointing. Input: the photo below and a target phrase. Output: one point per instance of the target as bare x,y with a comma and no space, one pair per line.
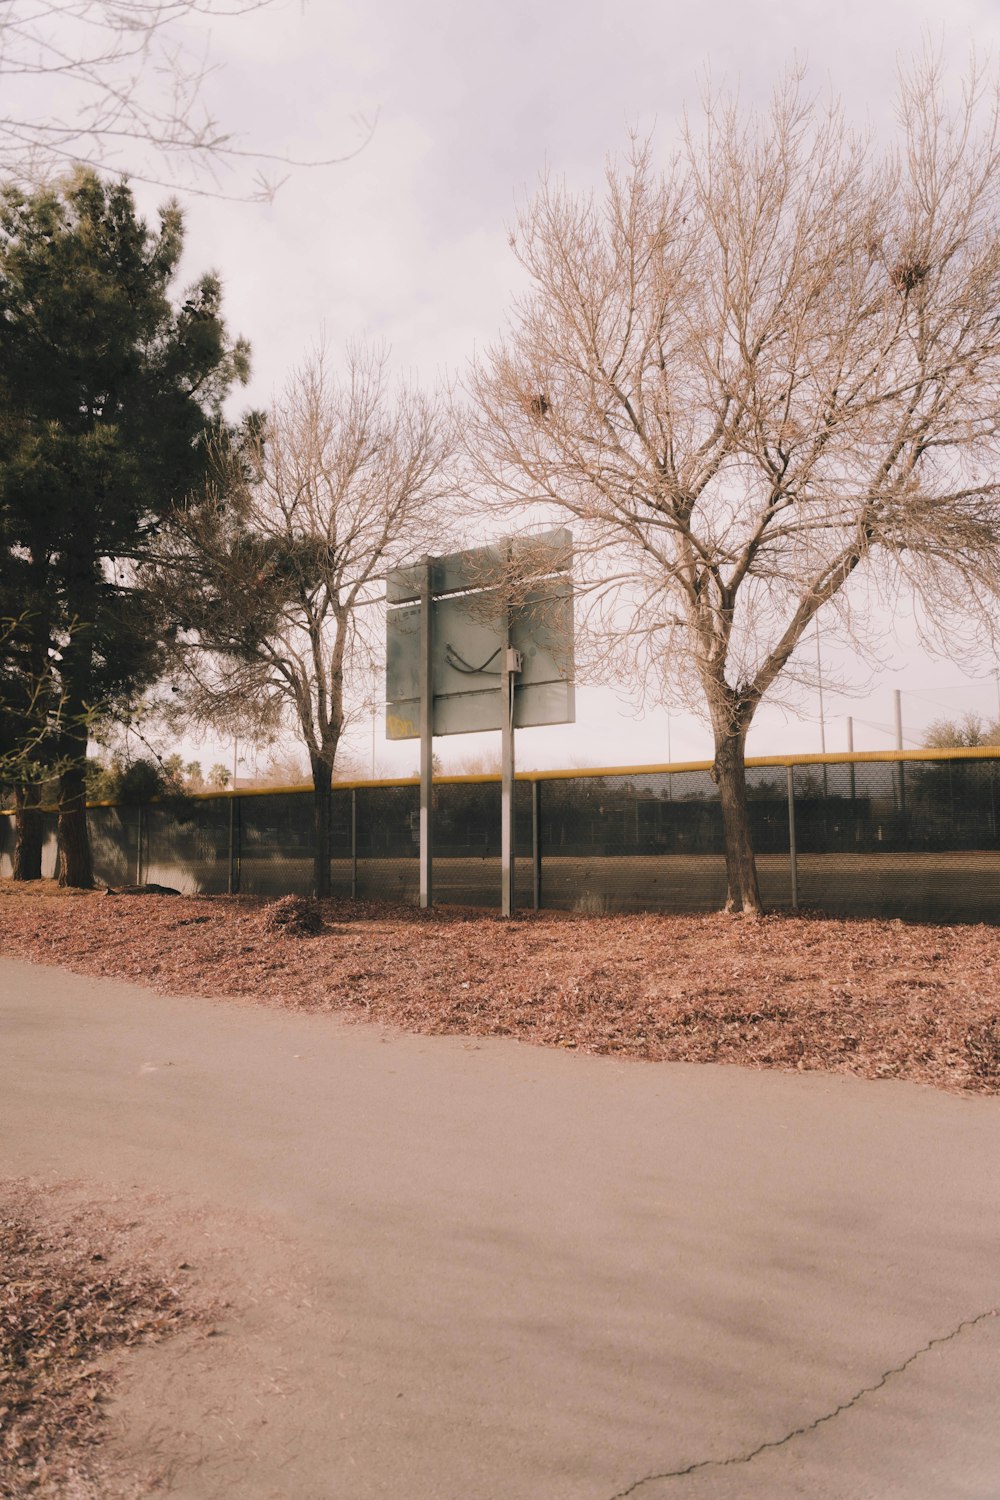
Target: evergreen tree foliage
110,392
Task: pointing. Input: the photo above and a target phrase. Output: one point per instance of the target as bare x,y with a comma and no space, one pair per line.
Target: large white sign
473,618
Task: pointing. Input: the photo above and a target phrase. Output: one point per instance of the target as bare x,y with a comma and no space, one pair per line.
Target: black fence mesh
887,837
276,844
915,839
188,844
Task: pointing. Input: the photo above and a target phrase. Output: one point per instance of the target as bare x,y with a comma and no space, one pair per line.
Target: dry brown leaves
70,1296
875,998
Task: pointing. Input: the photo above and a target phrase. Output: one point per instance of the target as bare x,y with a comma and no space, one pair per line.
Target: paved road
485,1271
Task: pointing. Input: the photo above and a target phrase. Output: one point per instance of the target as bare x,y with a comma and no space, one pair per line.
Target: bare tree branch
268,574
127,73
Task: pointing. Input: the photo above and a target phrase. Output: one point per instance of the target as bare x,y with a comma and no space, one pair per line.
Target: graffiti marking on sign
399,729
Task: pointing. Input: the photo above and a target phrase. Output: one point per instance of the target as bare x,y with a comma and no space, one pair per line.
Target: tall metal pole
850,746
819,679
993,801
793,852
507,674
426,740
900,774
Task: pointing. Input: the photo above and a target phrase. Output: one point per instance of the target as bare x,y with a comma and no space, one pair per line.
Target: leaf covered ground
880,999
73,1293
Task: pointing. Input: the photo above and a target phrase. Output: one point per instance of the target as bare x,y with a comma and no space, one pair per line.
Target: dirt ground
873,998
79,1289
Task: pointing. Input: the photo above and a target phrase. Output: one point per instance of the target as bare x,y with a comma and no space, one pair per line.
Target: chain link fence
912,835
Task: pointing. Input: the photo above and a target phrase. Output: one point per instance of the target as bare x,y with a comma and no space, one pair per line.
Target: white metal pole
819,678
506,775
900,774
426,741
822,720
793,853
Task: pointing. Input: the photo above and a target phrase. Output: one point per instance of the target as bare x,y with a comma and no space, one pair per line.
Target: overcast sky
407,241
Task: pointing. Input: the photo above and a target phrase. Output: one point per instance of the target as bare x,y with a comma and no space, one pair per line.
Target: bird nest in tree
908,273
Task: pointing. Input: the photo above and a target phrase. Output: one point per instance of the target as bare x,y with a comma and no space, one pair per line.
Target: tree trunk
27,832
322,775
75,867
729,772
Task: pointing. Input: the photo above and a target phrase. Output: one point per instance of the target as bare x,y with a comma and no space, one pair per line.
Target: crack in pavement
745,1458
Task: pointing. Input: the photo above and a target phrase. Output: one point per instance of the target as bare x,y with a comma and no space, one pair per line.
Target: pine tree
109,394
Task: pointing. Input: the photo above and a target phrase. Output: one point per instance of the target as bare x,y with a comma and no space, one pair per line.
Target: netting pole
426,740
507,675
792,849
138,849
900,773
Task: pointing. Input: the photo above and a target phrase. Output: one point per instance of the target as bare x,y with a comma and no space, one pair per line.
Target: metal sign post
510,665
426,740
793,848
457,629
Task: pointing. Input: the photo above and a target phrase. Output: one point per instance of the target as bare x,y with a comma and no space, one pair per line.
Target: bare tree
969,731
752,379
274,577
127,73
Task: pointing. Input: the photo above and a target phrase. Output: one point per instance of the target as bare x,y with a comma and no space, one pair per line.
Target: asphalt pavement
476,1270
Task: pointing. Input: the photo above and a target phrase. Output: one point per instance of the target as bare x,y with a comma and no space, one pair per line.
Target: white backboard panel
530,557
467,638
